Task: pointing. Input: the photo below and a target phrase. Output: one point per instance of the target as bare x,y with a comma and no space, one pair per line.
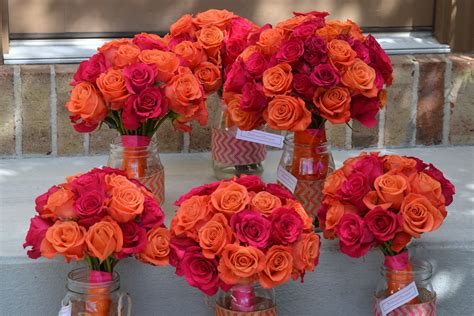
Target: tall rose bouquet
232,233
99,217
384,201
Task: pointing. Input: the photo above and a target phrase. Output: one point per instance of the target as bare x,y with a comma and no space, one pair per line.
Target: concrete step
339,286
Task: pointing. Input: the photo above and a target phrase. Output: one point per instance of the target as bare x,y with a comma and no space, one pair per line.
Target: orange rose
418,215
307,219
210,38
360,77
112,86
334,214
230,198
60,204
277,80
333,104
184,93
190,52
158,247
333,182
372,200
126,203
249,50
270,40
64,238
209,75
244,120
399,164
306,252
183,25
126,55
265,202
289,24
328,32
341,54
86,102
215,235
287,113
191,216
279,265
104,238
342,28
167,63
110,49
391,188
114,180
240,264
213,17
423,184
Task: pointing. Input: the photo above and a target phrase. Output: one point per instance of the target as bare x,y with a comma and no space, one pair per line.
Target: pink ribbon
397,262
131,141
100,276
243,298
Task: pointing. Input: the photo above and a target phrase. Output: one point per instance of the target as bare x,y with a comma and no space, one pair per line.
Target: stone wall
430,103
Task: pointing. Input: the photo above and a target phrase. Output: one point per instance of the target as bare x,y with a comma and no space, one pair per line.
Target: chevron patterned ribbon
221,311
227,149
423,309
309,194
156,184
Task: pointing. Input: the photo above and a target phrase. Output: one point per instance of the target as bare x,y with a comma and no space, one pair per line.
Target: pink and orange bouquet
101,217
240,231
307,70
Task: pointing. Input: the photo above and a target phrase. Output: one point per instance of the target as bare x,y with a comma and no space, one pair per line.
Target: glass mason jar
306,156
231,156
394,279
141,161
98,298
249,299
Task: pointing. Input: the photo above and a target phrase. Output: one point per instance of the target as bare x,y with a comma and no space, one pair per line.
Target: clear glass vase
307,157
249,299
141,161
394,278
231,156
88,295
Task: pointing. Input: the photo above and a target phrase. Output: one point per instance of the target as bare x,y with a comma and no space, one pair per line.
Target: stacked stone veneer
430,103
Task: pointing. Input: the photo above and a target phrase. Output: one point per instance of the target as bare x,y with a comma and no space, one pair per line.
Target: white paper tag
287,179
398,299
66,310
260,137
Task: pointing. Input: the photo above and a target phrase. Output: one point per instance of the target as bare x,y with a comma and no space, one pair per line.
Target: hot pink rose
382,223
287,225
307,29
252,183
90,181
89,70
362,51
316,14
236,77
379,59
315,50
252,228
325,75
353,190
90,207
134,239
290,50
178,248
145,42
41,200
256,64
253,99
233,48
279,191
370,166
139,76
152,215
149,104
36,234
240,28
365,109
303,85
205,189
447,187
355,238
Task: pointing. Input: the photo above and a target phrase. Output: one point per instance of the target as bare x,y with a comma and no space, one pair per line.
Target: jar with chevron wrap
231,156
416,280
246,300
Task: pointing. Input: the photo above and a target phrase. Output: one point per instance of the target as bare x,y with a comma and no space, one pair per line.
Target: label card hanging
260,137
398,299
287,179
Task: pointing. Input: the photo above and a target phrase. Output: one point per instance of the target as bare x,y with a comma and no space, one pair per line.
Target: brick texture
169,139
7,111
336,134
100,140
363,136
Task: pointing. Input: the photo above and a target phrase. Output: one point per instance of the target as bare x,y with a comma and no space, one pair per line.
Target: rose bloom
256,64
279,191
86,104
372,200
290,24
87,182
287,225
244,120
149,104
109,50
399,164
36,234
230,198
382,223
184,93
251,228
209,76
391,188
417,215
112,86
365,109
355,238
191,53
89,70
139,76
149,41
166,63
126,203
340,53
287,113
325,75
290,50
277,80
64,238
421,183
134,239
90,207
354,189
239,264
210,38
41,201
270,40
360,78
215,17
104,238
205,189
126,55
191,216
379,59
152,215
183,25
279,265
303,85
333,216
306,252
253,98
370,166
265,202
60,204
305,217
447,187
157,249
333,104
117,180
215,235
333,182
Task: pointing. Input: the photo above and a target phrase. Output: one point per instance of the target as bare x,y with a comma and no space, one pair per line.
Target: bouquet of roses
240,231
384,202
101,217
